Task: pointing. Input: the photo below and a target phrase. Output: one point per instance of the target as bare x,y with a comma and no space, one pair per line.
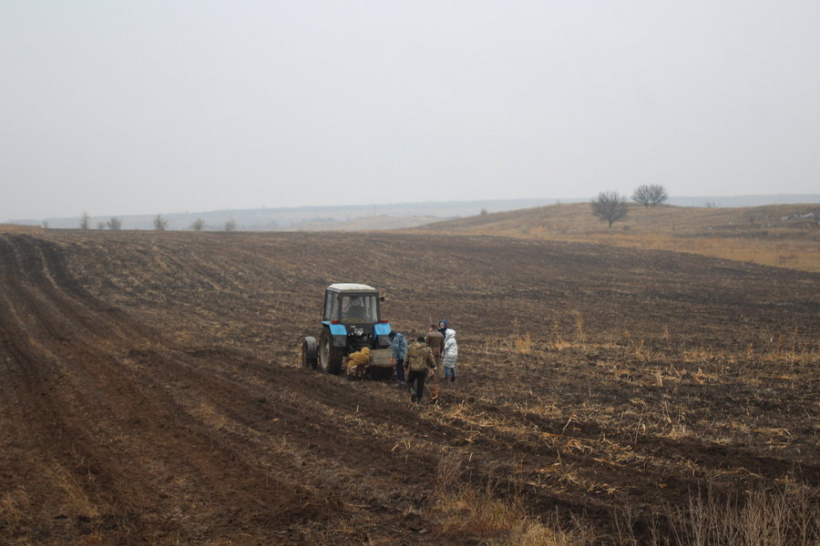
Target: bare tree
160,223
650,195
85,219
610,206
230,225
198,224
114,224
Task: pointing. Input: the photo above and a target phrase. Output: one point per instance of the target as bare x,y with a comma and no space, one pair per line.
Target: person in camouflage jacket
419,361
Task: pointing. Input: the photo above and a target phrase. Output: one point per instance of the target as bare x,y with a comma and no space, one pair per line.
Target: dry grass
750,518
466,513
14,508
76,498
633,394
771,250
775,235
789,515
17,228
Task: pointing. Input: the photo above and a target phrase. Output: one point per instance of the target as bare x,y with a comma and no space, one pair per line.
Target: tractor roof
351,287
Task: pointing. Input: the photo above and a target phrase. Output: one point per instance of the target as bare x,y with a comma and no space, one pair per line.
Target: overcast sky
148,107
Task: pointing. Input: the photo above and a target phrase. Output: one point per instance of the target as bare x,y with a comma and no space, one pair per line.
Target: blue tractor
351,320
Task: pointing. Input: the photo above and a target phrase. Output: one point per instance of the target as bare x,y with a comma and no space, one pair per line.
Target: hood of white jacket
449,333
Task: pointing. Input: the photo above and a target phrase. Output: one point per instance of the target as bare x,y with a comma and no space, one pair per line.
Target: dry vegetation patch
776,235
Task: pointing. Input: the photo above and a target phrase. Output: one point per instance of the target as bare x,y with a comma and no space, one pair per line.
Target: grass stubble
654,401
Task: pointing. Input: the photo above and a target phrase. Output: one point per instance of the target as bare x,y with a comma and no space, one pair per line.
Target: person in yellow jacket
419,362
358,362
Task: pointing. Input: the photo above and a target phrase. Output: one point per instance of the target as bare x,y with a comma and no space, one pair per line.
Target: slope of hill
778,235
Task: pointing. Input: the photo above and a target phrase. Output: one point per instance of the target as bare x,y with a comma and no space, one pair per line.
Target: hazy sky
117,108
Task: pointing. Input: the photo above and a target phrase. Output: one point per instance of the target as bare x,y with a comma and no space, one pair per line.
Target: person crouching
358,362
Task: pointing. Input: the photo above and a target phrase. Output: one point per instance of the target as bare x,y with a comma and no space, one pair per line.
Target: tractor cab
351,304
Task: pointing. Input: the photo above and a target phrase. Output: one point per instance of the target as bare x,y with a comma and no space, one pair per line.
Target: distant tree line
160,224
114,223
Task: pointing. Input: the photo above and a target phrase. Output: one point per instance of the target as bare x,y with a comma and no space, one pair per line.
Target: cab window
360,308
331,306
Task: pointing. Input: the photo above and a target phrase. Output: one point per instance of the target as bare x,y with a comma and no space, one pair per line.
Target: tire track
112,436
125,394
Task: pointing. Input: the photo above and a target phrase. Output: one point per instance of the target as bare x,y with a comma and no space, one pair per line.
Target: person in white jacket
450,354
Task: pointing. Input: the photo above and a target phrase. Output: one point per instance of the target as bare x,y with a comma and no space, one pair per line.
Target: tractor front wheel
330,357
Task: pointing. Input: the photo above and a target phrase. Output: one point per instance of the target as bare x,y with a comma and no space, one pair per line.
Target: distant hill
376,217
779,235
341,218
745,200
577,220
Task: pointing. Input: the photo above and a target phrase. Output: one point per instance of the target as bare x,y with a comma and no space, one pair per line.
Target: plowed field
151,392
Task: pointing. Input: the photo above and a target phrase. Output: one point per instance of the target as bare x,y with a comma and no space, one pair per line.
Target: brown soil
152,390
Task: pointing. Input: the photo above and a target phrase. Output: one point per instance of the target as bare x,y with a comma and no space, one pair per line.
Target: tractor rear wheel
330,357
310,353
